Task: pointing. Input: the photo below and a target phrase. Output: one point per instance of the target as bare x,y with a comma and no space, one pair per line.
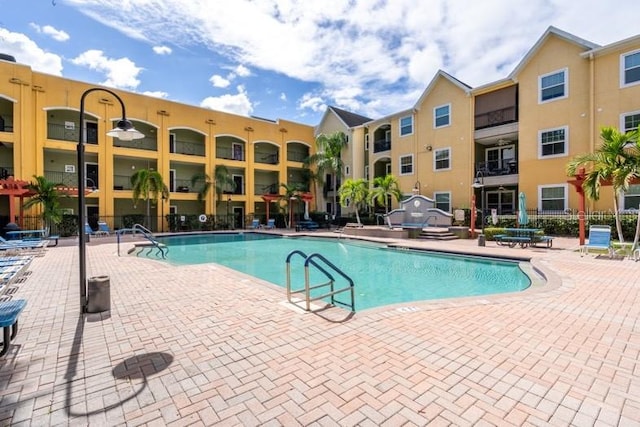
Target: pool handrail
309,260
153,243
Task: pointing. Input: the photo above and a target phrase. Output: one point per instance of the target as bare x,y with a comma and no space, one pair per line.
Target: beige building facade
513,135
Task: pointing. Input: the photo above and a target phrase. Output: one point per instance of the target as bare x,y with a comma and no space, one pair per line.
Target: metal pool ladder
325,266
150,245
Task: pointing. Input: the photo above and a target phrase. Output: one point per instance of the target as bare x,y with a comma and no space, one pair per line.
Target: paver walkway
203,345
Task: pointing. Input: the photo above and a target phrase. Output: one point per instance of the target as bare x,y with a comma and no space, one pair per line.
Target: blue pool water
381,275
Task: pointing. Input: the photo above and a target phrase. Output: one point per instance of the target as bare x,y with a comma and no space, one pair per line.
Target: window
630,121
553,86
630,68
406,165
347,170
442,159
387,136
366,142
366,172
236,153
552,197
406,125
443,201
387,168
632,198
442,116
553,142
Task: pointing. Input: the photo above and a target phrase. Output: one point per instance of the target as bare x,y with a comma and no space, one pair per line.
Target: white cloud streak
238,103
55,34
373,56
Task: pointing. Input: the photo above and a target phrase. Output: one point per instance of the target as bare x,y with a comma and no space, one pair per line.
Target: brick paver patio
203,345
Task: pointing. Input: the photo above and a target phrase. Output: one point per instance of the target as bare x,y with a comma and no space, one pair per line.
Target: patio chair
103,229
599,239
271,224
255,224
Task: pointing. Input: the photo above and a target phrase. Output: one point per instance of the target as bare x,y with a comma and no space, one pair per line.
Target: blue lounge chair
255,224
103,229
599,239
271,224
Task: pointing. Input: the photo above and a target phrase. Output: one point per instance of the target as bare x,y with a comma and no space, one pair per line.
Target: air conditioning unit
70,168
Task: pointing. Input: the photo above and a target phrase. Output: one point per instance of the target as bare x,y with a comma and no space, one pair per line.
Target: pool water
382,275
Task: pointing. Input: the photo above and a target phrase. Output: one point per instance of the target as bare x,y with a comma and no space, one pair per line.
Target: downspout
592,109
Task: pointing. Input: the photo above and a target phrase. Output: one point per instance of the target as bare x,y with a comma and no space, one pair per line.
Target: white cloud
236,104
55,34
360,51
121,73
242,71
156,94
26,51
219,81
283,96
312,102
162,50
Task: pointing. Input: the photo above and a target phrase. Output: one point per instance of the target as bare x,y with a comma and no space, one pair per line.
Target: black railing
229,154
146,143
381,145
496,118
296,156
63,132
266,157
497,167
188,148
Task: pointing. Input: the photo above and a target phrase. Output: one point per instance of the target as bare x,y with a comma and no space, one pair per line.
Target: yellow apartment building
513,135
39,134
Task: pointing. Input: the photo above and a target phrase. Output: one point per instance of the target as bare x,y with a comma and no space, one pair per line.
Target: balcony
496,118
381,145
498,167
187,147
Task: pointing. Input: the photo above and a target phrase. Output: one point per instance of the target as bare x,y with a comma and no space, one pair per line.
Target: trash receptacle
481,241
99,294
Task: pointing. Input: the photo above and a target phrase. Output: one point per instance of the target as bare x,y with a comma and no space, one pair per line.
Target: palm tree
355,190
383,188
327,159
613,162
148,185
291,192
47,195
222,180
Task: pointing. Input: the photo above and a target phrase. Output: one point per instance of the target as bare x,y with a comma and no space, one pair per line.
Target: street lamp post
479,183
228,218
124,131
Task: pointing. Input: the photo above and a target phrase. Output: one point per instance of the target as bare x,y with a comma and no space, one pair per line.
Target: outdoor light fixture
123,131
479,183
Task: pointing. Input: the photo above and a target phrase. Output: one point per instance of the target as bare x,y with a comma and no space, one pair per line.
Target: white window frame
241,178
388,168
401,127
435,199
622,202
172,180
435,118
233,151
565,84
387,135
566,195
623,116
435,156
366,142
566,142
347,170
172,143
623,82
366,172
410,156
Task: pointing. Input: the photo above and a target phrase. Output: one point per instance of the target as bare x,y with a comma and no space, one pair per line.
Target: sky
290,59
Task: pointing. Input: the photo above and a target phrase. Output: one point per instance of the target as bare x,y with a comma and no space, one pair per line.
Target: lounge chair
599,239
255,224
103,229
271,224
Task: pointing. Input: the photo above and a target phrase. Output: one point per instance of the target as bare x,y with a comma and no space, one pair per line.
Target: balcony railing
296,156
265,189
498,167
229,154
122,182
381,145
62,132
188,148
146,143
496,118
64,178
269,158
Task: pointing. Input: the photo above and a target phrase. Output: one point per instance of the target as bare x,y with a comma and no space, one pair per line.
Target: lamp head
125,131
477,183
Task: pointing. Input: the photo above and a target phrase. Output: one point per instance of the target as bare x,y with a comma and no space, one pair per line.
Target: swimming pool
382,275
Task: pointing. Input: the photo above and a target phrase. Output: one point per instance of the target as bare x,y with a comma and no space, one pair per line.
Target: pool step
437,234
